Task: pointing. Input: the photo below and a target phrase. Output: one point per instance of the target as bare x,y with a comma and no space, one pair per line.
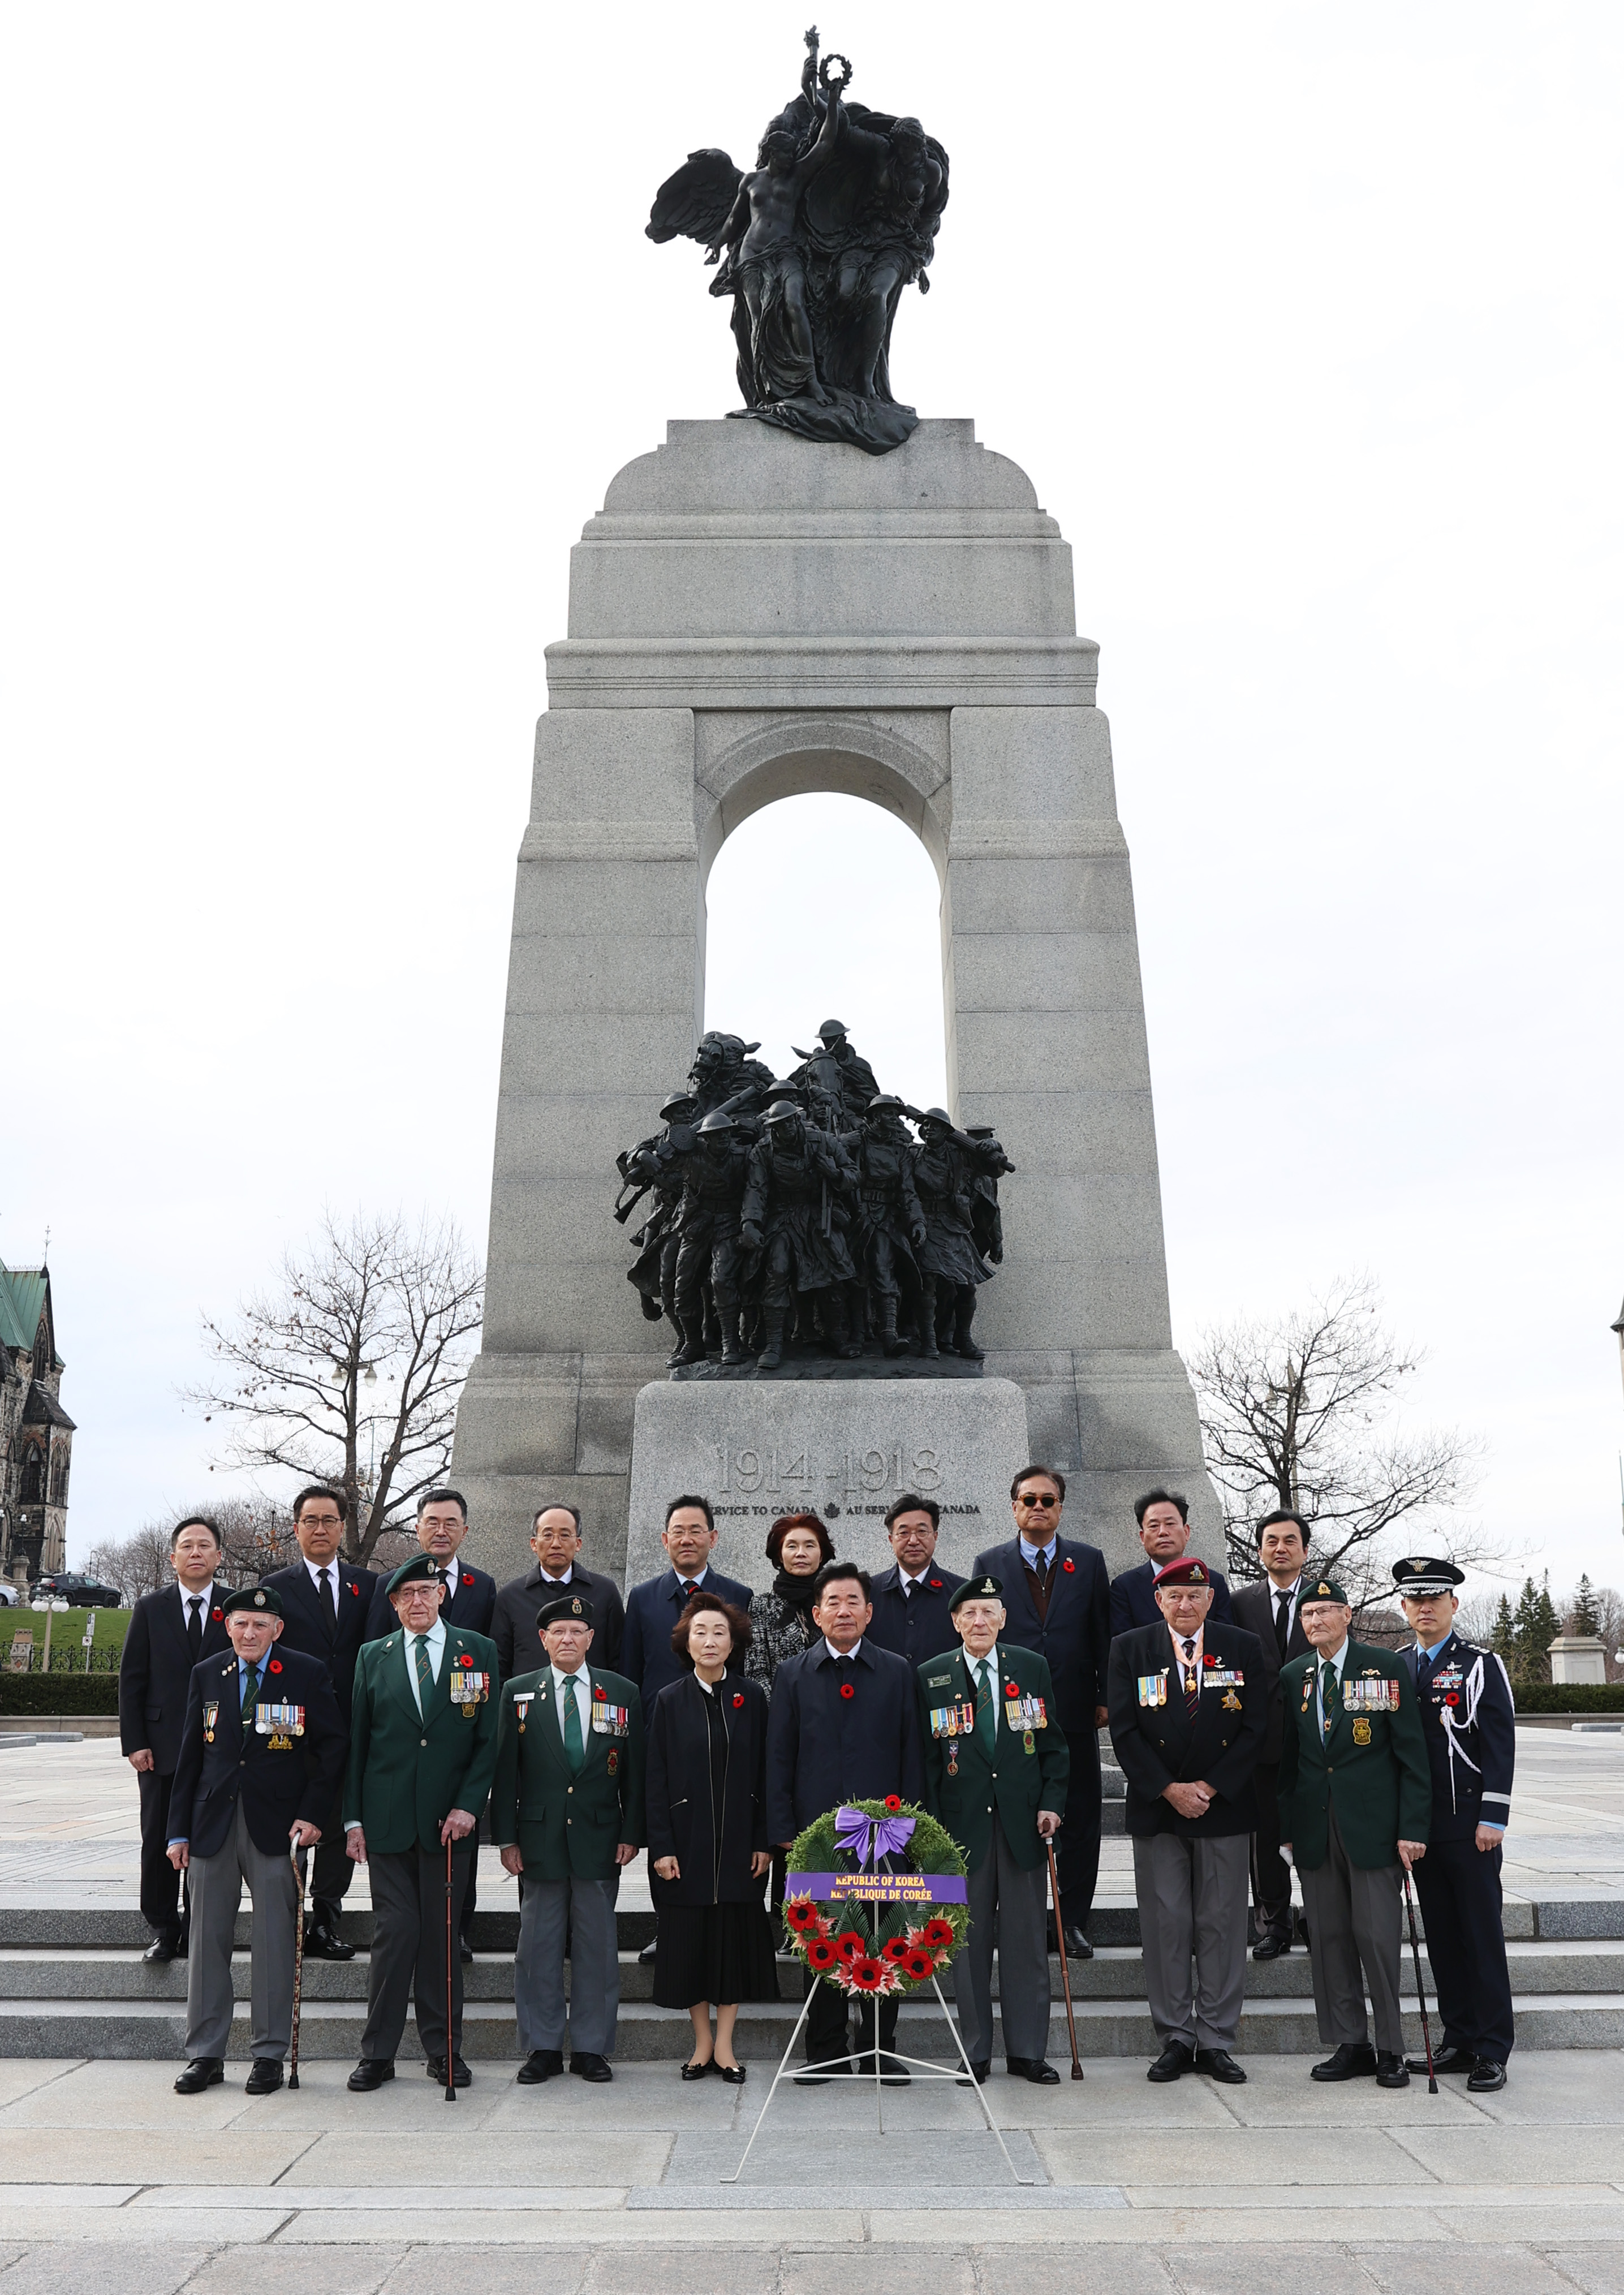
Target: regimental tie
424,1672
986,1723
250,1688
1328,1700
1192,1681
575,1751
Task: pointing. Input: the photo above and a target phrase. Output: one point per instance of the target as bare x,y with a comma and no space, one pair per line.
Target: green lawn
67,1633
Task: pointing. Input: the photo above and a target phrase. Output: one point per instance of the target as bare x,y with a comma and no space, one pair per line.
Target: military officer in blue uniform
1469,1719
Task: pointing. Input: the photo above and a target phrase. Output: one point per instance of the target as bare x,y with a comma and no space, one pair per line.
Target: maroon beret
1187,1570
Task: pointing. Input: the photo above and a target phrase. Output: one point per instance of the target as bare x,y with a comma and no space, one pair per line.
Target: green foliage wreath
876,1947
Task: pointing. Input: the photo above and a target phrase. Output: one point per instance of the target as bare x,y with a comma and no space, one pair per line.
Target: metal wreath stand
879,1864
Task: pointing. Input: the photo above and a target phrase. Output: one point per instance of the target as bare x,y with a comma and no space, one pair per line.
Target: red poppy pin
1209,1659
355,1590
738,1700
1012,1689
1451,1699
1068,1565
936,1585
893,1801
847,1690
217,1613
276,1665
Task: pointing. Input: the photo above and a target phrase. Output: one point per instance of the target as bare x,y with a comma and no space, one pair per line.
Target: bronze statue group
329,1714
806,1216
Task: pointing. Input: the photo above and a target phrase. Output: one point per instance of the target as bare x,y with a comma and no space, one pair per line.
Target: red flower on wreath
821,1955
893,1801
276,1665
847,1690
895,1950
849,1946
1068,1565
936,1935
917,1963
866,1975
801,1914
738,1700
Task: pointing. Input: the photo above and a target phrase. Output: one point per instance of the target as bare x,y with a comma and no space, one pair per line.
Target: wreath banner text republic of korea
879,1888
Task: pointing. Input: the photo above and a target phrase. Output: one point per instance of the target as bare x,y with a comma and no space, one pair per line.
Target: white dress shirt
839,1654
435,1642
206,1594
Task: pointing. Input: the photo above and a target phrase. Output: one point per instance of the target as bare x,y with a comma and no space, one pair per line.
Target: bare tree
135,1565
1302,1413
348,1371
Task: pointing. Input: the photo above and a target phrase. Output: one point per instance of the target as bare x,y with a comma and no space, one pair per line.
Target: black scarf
796,1593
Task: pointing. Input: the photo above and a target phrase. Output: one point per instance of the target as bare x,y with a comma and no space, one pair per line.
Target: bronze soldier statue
656,1167
890,1226
724,1073
946,1163
709,1252
838,1084
795,1214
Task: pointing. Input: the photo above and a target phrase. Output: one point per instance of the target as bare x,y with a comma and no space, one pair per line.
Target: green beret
264,1598
565,1609
1323,1589
421,1565
977,1590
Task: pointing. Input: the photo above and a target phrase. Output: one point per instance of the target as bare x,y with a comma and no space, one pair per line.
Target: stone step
1116,1973
331,2029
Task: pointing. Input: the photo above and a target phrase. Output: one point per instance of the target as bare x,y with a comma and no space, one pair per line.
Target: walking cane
1426,2032
1065,1973
298,1964
451,2084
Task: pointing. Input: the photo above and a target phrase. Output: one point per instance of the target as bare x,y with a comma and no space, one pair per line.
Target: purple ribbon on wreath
870,1838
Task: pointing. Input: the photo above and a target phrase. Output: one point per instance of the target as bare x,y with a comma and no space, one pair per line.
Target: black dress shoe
264,2077
980,2071
324,1943
645,1958
1485,2077
541,2065
1174,2061
1077,1945
1390,2070
201,2072
590,2067
1270,1947
1218,2064
460,2076
1032,2068
814,2079
691,2071
1450,2060
371,2072
161,1952
1350,2062
466,1952
733,2074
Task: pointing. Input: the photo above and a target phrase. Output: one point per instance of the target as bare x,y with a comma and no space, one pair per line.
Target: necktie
688,1590
908,1589
1283,1625
575,1752
423,1670
250,1689
986,1724
329,1601
1327,1698
1192,1681
1039,1570
194,1626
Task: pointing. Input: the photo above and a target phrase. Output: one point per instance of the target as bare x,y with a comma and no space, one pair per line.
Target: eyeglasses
1027,1498
308,1521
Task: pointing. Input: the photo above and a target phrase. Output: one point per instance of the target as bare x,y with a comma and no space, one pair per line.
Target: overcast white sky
327,328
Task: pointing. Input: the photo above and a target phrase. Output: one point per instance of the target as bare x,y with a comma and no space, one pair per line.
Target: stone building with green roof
36,1432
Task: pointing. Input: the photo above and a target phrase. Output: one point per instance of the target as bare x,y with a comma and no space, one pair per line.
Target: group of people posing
373,1721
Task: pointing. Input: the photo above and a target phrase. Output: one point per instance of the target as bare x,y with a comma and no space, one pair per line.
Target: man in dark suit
1058,1596
1267,1608
1163,1517
842,1725
653,1608
169,1633
913,1600
555,1540
326,1606
1190,1705
469,1599
261,1747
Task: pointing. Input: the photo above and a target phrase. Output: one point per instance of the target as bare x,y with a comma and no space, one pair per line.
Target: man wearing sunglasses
1058,1594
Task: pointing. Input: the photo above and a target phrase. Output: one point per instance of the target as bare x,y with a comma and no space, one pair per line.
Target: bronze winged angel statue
815,245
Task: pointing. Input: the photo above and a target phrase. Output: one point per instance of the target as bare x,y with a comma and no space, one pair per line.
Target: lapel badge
612,1761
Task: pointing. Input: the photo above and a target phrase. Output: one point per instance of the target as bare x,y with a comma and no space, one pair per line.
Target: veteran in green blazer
567,1812
422,1753
995,1765
1356,1805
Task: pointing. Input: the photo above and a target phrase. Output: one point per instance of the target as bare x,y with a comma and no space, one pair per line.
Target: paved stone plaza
1347,2188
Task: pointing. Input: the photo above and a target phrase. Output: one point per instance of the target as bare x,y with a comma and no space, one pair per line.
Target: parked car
81,1593
10,1595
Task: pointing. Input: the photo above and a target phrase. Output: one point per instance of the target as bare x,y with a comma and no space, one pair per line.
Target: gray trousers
585,1911
1192,1933
217,1892
409,1948
1007,1905
1353,1917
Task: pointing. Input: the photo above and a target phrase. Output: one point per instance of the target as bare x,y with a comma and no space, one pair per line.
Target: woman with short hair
706,1799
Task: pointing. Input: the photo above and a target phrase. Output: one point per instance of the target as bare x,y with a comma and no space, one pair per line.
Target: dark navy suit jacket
1133,1601
1076,1638
652,1610
823,1749
468,1609
914,1626
513,1629
304,1621
155,1672
300,1781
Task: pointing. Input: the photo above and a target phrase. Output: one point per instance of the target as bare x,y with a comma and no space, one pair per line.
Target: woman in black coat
706,1792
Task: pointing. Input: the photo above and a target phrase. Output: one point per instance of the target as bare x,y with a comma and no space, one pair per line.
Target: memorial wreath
897,1911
